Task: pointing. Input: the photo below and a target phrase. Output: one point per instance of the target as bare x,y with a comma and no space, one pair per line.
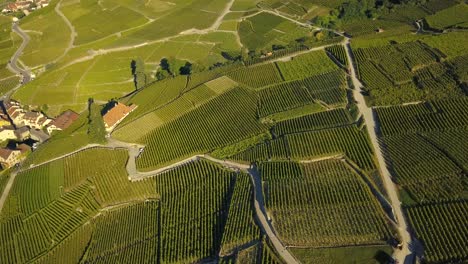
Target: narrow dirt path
7,189
73,33
405,254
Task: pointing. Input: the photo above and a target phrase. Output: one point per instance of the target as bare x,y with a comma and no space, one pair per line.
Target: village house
22,133
24,6
7,133
62,122
9,157
34,120
21,117
38,135
116,114
4,120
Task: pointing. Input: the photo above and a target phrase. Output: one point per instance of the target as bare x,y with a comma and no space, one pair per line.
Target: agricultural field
346,141
265,30
9,42
312,63
453,17
50,37
89,19
215,207
407,72
303,198
346,255
315,123
108,76
212,124
427,151
73,211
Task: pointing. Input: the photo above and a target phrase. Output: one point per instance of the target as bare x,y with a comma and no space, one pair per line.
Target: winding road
135,175
13,63
405,255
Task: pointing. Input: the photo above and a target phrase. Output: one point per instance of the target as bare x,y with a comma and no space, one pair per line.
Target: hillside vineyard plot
346,140
425,149
321,204
228,118
261,131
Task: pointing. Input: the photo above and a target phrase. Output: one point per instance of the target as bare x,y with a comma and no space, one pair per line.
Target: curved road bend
405,255
134,175
13,64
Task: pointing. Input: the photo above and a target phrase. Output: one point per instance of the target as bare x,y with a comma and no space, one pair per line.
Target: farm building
22,133
7,133
9,157
116,114
62,121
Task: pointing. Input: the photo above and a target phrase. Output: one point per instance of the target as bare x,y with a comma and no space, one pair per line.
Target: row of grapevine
452,17
194,208
321,120
36,188
433,116
306,65
339,52
71,249
257,76
459,66
276,54
453,142
282,97
442,229
323,203
155,96
118,231
135,130
328,87
395,74
240,225
199,78
426,172
226,119
346,140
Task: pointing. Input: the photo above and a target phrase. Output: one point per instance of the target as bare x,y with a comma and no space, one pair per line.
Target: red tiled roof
23,148
5,153
65,119
118,112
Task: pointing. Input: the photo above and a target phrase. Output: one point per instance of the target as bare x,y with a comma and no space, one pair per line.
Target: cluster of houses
19,125
25,6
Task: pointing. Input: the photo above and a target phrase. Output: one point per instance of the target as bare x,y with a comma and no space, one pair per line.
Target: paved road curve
406,253
134,175
13,64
